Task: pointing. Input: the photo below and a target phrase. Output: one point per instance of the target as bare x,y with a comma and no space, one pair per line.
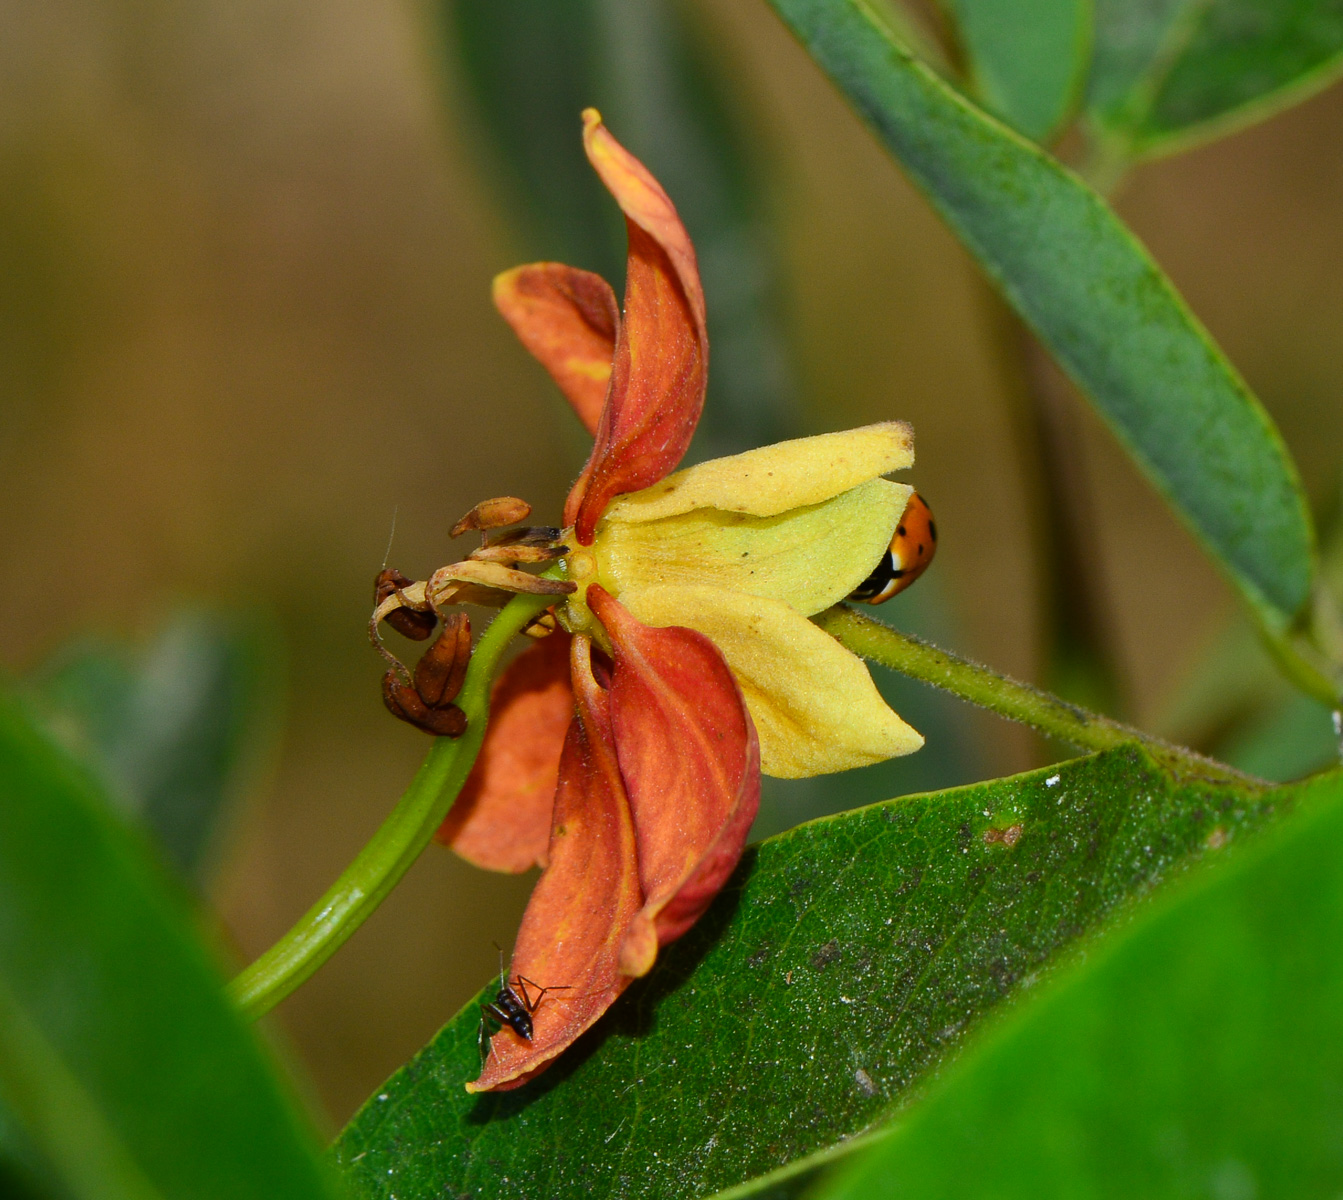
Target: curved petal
815,706
810,558
501,819
584,901
568,319
774,479
691,764
662,351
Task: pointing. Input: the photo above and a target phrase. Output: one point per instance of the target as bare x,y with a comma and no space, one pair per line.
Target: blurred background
245,254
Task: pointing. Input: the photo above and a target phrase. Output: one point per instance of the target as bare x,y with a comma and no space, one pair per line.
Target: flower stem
1044,713
379,866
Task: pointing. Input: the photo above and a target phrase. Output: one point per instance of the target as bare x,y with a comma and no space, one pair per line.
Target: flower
624,751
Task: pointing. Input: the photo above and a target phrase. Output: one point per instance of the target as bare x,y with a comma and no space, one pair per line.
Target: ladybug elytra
911,550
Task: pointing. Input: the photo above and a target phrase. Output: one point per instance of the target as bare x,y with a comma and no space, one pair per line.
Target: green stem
979,685
365,883
1298,669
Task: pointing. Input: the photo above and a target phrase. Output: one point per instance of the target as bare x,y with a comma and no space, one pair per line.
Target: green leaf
530,67
1028,61
843,963
1197,1054
118,1039
1090,291
59,1111
1178,71
174,729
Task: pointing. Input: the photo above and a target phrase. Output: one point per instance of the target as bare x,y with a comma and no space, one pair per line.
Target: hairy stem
408,829
979,685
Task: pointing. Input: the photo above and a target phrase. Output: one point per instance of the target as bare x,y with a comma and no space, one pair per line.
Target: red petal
568,319
501,820
578,914
662,351
691,764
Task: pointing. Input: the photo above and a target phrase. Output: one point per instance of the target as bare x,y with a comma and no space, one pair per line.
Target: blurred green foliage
129,1070
176,729
1028,62
1170,73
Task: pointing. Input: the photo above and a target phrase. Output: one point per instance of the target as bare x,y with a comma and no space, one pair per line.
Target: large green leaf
1173,71
1091,292
1028,61
1198,1054
173,729
840,967
118,1039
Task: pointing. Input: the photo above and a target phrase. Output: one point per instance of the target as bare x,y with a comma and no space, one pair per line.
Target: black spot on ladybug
900,529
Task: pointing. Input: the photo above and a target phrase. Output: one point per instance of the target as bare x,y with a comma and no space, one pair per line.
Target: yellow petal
815,706
810,558
775,478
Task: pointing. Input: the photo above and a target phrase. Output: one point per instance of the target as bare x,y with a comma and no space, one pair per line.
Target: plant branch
379,866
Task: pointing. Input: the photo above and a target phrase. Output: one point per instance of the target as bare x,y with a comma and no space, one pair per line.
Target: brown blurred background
245,254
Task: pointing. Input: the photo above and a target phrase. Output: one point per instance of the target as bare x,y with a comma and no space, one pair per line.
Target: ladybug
911,550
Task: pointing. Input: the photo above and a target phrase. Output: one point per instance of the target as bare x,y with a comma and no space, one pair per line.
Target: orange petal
662,351
583,904
501,820
568,319
691,764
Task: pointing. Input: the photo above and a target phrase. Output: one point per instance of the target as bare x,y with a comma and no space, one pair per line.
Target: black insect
513,1004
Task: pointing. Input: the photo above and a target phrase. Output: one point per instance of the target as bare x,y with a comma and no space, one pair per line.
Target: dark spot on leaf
826,954
1005,837
759,956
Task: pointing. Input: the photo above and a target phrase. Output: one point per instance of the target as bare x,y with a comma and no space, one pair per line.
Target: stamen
493,514
439,674
418,625
518,552
442,586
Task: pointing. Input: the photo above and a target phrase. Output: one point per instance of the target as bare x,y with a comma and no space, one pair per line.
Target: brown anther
493,514
439,674
405,702
426,699
542,625
445,583
408,622
517,552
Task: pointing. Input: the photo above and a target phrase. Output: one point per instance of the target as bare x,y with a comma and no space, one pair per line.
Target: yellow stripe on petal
815,706
775,478
810,558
